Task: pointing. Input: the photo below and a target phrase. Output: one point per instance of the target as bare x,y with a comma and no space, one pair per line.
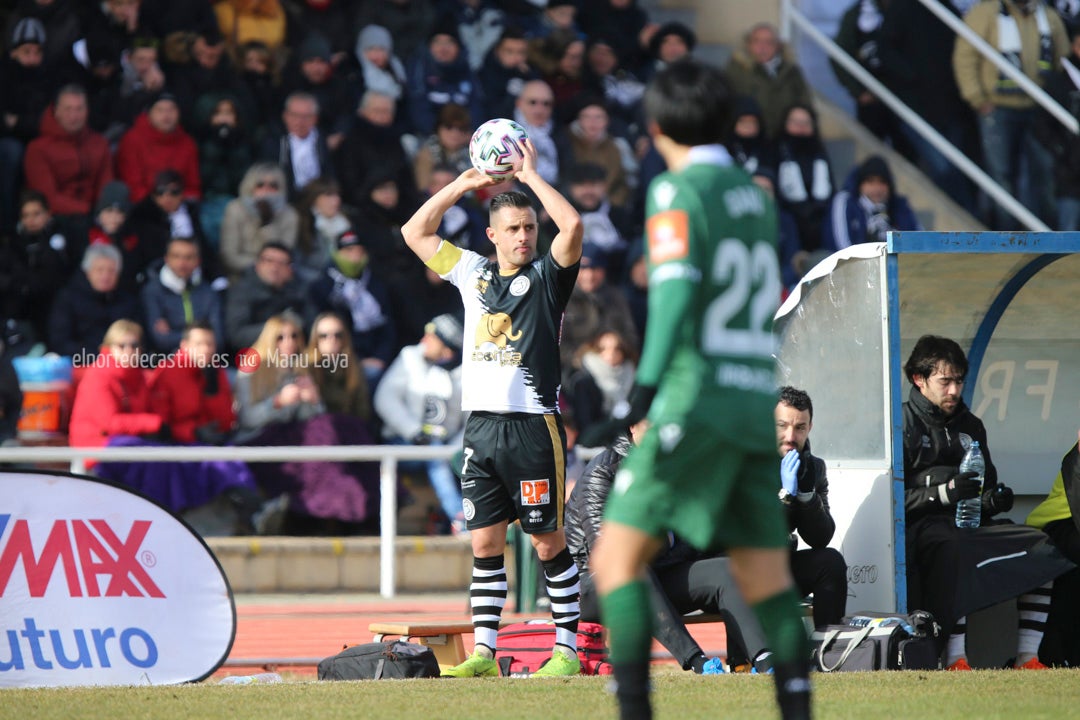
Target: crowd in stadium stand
244,167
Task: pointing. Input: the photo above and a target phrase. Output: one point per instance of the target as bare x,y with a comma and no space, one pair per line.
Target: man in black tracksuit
955,571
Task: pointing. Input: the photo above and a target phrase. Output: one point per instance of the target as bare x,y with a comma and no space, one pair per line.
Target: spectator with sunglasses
260,214
533,111
160,216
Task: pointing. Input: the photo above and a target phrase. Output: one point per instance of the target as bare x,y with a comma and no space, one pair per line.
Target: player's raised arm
566,246
421,231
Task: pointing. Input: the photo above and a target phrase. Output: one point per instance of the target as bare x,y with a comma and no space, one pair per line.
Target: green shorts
710,493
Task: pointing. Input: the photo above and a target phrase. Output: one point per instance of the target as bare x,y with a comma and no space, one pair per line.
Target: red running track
293,635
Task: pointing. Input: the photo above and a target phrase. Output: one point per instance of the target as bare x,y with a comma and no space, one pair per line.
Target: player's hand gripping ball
495,148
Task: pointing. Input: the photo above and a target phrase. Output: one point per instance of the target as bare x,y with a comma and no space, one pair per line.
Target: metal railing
991,53
792,16
386,455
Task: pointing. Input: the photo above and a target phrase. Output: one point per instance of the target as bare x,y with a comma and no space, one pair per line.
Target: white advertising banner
100,586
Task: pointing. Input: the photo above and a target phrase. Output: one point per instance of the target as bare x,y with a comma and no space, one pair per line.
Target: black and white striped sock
1034,607
487,597
565,592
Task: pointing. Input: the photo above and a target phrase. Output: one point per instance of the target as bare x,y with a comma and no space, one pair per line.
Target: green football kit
708,468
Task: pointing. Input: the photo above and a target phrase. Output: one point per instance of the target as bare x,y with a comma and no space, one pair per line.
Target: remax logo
89,551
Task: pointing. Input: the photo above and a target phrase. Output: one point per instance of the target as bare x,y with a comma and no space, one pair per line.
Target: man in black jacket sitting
954,571
804,490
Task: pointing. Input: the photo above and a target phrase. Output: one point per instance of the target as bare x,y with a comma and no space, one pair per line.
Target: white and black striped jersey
510,353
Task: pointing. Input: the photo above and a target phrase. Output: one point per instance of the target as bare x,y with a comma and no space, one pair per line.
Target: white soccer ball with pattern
495,148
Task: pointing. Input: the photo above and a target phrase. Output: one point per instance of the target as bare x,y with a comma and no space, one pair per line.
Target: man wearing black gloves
804,491
954,571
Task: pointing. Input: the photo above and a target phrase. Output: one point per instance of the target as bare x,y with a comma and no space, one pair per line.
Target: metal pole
973,171
991,53
388,525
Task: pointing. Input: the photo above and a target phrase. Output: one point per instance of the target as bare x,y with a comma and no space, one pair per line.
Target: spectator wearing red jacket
112,398
154,143
68,162
192,395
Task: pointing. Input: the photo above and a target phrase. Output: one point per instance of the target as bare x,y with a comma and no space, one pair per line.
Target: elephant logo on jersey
496,329
492,334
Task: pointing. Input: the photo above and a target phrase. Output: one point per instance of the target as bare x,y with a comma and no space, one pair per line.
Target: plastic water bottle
265,678
969,512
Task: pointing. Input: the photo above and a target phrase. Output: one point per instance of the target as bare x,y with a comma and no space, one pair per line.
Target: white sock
956,648
1034,607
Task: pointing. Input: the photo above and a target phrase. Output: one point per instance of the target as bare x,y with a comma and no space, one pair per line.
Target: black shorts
514,469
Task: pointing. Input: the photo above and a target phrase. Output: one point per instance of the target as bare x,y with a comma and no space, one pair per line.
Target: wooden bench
446,638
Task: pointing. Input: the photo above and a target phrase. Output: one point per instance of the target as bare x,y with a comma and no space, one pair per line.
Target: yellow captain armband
445,258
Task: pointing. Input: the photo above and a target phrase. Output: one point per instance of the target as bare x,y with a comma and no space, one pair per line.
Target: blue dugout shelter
1009,299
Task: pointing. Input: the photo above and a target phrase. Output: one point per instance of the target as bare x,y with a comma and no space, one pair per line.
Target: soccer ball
495,149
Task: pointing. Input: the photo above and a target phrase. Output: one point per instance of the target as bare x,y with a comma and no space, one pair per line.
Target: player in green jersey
707,469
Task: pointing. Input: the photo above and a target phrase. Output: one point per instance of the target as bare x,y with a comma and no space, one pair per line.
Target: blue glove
789,472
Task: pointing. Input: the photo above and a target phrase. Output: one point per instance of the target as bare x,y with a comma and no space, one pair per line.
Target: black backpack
380,660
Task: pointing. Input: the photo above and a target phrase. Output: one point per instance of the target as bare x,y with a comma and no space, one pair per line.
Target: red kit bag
523,647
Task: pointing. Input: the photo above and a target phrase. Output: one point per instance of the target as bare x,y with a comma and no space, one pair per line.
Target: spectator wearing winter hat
440,74
297,145
354,290
60,23
746,140
313,74
671,42
419,402
242,21
69,163
594,305
110,217
867,208
409,22
504,73
380,70
157,142
26,92
258,215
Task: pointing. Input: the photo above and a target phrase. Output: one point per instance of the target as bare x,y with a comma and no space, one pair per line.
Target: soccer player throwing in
707,468
515,446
